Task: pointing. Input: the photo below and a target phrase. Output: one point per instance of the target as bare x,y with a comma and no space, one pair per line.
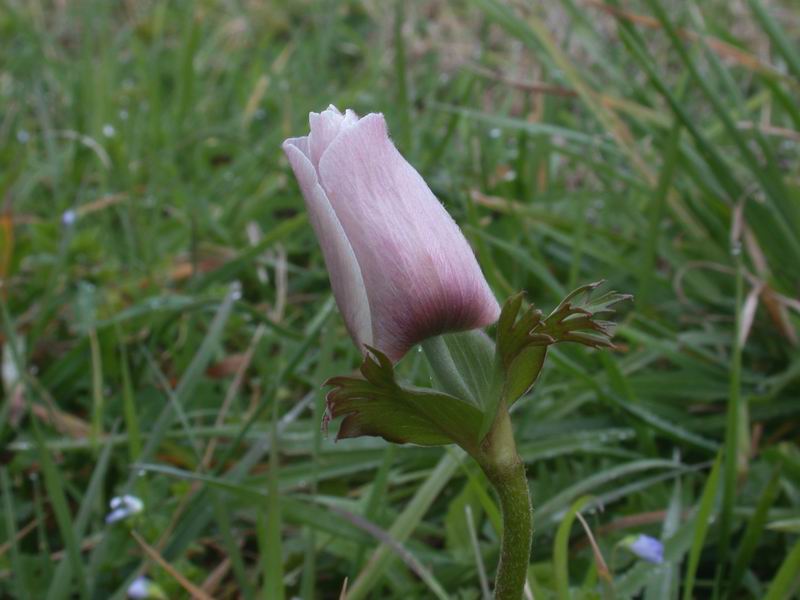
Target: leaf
784,579
463,364
575,319
702,520
376,405
521,351
561,548
755,528
522,339
405,524
457,536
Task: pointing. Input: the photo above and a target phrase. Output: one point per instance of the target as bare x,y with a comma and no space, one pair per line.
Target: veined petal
420,273
343,268
301,143
325,126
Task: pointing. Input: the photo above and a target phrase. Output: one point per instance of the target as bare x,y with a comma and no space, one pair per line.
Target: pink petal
345,275
325,126
420,273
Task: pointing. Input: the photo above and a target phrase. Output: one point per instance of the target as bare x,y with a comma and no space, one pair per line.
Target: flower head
123,507
400,268
143,588
68,218
645,547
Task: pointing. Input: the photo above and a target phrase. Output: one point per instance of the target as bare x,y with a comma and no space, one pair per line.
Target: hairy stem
506,471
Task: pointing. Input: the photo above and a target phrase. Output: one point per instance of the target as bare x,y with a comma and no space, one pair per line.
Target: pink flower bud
400,268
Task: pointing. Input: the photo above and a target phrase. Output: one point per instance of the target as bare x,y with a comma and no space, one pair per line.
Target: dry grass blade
195,592
749,312
5,547
539,87
101,204
784,132
600,562
384,537
723,49
233,390
216,577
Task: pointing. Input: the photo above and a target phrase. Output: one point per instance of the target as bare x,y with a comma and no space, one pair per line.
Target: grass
167,320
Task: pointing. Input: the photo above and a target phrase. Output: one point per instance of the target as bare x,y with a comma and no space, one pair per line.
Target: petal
420,273
343,269
350,119
301,143
325,126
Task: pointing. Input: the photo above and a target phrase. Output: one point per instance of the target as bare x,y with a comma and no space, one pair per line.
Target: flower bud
400,268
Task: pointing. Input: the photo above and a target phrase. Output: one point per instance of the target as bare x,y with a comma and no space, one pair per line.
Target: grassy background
167,320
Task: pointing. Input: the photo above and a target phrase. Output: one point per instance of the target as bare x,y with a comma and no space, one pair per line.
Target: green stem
505,469
497,456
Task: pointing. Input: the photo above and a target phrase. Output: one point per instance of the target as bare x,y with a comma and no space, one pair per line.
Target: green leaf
520,349
463,364
783,45
561,548
457,536
575,319
18,574
405,524
522,338
376,405
466,367
786,575
701,523
755,528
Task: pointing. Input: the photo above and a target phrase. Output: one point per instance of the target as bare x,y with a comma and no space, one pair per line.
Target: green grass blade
89,503
272,552
19,573
191,376
786,48
129,404
231,544
561,548
655,217
786,577
54,485
734,455
702,521
752,534
405,524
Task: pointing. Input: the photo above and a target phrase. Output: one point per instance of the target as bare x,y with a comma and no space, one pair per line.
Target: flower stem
506,471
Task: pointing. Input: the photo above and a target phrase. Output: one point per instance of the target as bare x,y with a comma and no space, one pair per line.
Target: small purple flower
68,218
143,588
645,547
123,507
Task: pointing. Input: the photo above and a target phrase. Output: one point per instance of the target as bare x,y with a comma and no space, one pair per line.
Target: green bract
376,405
522,339
474,376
